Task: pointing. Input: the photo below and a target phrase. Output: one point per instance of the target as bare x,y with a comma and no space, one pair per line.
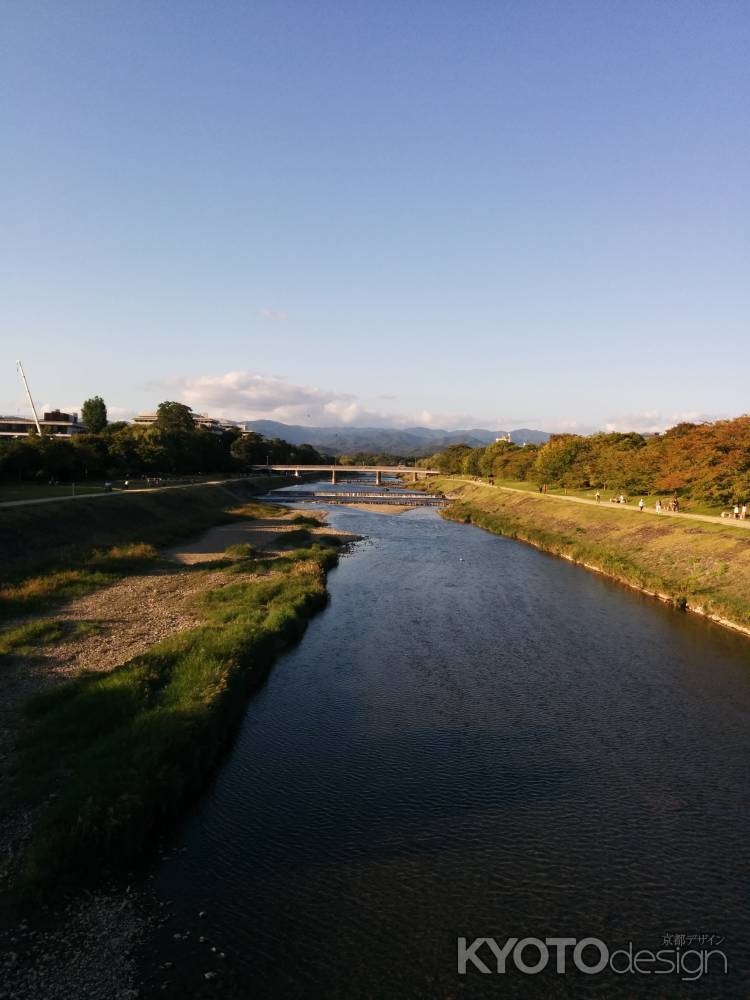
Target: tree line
172,446
706,462
374,458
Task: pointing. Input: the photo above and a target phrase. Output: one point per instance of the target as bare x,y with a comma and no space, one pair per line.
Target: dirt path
727,522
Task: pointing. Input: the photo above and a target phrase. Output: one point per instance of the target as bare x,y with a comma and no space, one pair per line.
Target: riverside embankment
37,534
124,669
698,566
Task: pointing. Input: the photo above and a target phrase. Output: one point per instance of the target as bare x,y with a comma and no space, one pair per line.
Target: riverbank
697,566
135,687
40,534
116,708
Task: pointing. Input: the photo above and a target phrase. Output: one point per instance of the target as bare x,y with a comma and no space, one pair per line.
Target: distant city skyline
498,216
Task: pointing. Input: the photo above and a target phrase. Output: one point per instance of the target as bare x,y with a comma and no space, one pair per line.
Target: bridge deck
395,470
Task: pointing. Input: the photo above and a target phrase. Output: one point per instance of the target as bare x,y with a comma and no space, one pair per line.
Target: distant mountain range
412,441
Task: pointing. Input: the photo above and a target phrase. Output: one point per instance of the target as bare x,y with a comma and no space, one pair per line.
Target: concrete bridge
338,470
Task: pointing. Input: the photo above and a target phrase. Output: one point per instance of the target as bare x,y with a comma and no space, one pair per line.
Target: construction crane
19,366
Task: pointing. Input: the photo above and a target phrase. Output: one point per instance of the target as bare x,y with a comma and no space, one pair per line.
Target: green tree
94,414
470,465
249,450
563,460
174,418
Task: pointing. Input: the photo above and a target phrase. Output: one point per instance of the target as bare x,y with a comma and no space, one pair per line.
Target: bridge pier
378,477
414,476
333,477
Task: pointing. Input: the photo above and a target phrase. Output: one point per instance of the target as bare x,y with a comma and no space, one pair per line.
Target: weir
360,496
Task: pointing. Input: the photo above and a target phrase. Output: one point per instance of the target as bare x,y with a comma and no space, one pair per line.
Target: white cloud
653,421
244,395
274,315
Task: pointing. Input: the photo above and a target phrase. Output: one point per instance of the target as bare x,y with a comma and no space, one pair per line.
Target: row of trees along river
172,445
707,462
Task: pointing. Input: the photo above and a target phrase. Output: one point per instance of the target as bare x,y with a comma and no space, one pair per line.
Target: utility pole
28,393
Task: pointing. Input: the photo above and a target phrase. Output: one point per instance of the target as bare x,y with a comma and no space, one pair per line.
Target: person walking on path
641,504
658,506
598,496
743,512
736,512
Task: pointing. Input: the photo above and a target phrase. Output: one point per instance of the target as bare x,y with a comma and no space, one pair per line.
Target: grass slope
37,535
703,567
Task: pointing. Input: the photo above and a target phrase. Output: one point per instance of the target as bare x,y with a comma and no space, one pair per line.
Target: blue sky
450,213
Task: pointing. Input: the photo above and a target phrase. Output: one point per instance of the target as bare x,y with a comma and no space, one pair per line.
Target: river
474,739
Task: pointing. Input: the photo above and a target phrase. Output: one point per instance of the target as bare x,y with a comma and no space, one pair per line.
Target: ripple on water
476,739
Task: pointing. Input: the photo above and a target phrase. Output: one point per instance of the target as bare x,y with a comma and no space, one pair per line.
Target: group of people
739,513
672,505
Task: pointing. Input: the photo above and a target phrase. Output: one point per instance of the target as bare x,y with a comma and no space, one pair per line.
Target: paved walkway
727,522
119,493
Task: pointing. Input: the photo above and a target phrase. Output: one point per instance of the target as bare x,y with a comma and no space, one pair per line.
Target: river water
473,740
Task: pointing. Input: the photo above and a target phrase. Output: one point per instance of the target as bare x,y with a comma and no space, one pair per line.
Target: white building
214,425
54,422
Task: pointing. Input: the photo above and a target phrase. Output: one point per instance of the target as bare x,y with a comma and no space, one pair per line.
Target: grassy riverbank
56,552
66,531
697,566
126,721
113,756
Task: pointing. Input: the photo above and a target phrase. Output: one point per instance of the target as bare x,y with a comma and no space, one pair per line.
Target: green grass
257,511
243,550
322,552
85,570
304,521
124,750
686,506
43,491
20,641
23,640
102,567
45,536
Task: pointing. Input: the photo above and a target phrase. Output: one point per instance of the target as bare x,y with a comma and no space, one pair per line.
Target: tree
471,463
450,461
94,415
249,450
174,418
563,460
